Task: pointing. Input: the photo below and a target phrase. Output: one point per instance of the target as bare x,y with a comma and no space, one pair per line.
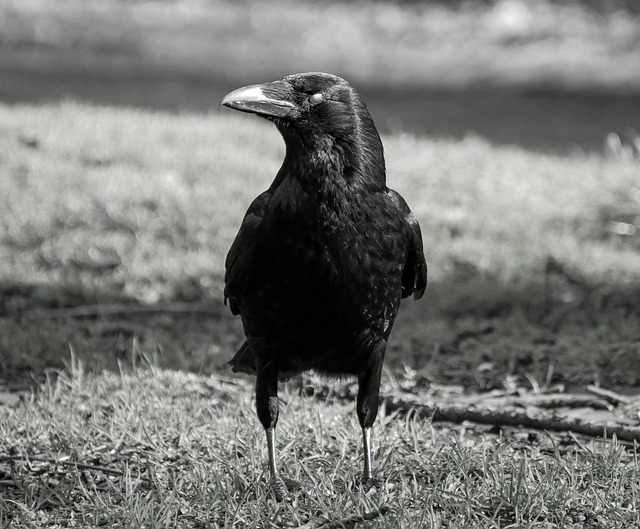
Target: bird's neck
327,168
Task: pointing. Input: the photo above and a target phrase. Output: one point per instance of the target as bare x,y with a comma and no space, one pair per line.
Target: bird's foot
281,486
371,482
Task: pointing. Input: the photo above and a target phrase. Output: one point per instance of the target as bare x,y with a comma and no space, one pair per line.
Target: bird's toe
278,486
281,486
371,482
292,484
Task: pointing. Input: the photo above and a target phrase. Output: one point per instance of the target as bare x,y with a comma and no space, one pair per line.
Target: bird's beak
269,100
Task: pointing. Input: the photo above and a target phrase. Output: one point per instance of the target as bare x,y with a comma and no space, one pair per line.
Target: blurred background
510,126
545,75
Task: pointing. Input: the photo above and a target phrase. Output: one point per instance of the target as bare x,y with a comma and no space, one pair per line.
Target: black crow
324,255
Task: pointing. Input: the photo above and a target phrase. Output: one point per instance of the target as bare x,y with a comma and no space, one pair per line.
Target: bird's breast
327,282
353,253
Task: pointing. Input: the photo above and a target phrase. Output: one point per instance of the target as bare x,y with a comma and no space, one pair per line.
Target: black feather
324,256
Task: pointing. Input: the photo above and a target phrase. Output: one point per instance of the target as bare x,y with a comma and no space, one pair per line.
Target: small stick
543,400
347,522
51,461
608,395
535,418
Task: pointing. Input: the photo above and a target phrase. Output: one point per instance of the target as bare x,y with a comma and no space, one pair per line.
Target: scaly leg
367,474
267,406
367,404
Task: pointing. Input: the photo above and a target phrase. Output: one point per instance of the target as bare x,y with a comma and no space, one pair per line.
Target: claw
371,482
367,483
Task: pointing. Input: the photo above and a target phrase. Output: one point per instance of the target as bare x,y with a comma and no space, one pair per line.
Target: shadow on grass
553,329
42,325
473,331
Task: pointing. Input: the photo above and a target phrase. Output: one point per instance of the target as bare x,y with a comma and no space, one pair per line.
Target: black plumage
324,256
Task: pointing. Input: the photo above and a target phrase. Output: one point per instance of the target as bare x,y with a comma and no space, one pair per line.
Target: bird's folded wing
414,273
241,257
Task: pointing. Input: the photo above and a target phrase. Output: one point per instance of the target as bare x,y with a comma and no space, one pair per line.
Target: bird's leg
366,443
367,405
271,449
267,406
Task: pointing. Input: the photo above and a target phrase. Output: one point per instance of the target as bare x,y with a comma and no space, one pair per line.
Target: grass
186,452
506,69
115,205
529,285
533,258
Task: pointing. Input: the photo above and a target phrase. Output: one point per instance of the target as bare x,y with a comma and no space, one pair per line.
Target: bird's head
316,111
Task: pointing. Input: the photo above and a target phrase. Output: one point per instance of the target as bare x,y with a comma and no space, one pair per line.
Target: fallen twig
347,522
83,311
541,400
67,462
530,417
608,395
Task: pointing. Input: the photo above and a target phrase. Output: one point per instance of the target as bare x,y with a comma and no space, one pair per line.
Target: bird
324,256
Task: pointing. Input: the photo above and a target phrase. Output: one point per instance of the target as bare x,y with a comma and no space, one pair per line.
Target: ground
115,226
116,406
108,206
155,448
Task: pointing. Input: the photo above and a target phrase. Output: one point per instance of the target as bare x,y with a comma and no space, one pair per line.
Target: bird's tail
244,361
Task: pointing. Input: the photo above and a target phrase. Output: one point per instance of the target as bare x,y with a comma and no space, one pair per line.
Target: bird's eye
316,99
